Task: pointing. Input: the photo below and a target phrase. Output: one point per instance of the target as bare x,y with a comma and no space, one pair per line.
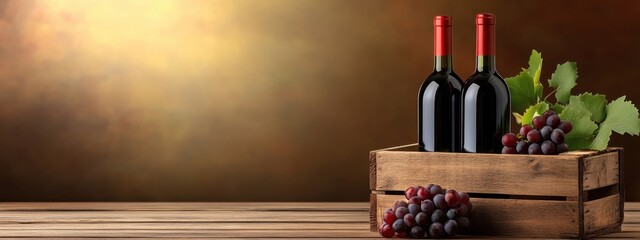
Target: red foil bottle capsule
442,35
485,34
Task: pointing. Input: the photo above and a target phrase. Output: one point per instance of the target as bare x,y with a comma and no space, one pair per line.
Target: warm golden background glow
250,100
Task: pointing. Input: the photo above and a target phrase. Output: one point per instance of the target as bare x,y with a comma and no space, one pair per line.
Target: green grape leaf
522,91
621,117
518,117
538,90
557,107
596,105
583,127
563,80
535,68
525,88
533,111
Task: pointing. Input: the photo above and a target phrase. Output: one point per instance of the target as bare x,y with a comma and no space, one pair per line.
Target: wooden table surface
206,220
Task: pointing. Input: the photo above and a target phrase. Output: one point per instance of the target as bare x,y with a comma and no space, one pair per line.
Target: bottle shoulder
485,79
443,78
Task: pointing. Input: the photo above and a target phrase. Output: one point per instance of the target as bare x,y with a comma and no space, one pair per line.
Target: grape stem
548,95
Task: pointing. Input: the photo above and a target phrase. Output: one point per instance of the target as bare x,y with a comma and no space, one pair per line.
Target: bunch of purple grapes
545,137
431,212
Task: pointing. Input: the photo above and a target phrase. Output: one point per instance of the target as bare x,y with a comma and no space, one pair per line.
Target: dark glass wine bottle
486,100
439,106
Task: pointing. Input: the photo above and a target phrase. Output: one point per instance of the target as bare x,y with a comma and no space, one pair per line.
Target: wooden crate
577,194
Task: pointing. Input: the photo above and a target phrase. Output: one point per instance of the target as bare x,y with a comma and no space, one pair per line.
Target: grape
451,227
414,209
427,206
452,198
534,148
469,206
463,222
400,203
410,192
524,130
545,132
509,140
462,209
548,113
452,213
522,147
401,211
565,126
553,121
414,200
509,150
548,147
438,215
417,232
557,136
464,197
445,214
423,193
428,186
386,231
563,147
538,122
409,220
534,136
439,201
422,219
389,216
435,189
399,226
436,230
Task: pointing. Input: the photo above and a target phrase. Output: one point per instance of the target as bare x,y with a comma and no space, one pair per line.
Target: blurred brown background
249,100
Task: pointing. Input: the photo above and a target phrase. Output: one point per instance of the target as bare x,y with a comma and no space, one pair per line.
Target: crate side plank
602,213
511,217
373,212
372,161
372,170
601,171
479,173
621,181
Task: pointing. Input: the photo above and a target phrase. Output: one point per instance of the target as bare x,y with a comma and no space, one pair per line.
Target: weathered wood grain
26,217
372,161
517,174
631,216
600,171
186,226
41,220
372,170
181,206
174,234
621,189
602,213
513,217
562,182
373,212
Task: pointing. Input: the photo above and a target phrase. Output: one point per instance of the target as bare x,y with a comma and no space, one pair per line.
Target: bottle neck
442,48
485,47
486,63
442,64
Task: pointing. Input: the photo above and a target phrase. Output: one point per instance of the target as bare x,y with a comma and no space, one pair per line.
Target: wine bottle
439,99
486,100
